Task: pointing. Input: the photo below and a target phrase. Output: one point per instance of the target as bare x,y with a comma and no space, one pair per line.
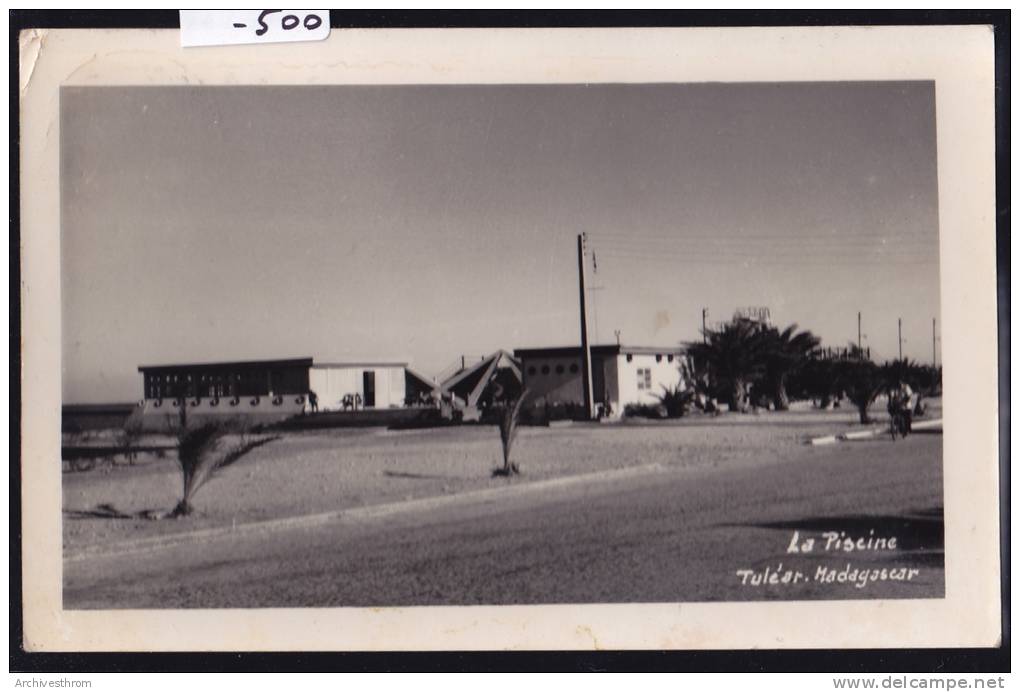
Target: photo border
645,660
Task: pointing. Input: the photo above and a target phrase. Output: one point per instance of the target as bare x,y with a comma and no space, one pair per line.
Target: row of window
658,357
560,369
159,385
644,375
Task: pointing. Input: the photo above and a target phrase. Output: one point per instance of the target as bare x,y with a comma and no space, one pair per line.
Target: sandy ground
305,473
647,534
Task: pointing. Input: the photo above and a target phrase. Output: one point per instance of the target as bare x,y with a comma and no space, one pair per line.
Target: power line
758,260
791,253
769,239
772,251
773,236
757,246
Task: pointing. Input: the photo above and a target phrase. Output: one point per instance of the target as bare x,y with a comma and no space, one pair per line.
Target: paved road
661,536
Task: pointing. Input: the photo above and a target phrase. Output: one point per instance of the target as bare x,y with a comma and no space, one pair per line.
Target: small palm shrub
200,456
509,419
675,400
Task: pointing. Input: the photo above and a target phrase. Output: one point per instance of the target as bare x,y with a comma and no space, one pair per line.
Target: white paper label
231,27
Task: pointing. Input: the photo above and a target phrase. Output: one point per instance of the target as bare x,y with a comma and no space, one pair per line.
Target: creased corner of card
30,45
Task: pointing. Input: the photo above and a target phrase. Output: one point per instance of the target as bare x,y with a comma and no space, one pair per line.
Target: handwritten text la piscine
833,541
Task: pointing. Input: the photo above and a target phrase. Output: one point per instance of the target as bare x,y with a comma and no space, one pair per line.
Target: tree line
747,363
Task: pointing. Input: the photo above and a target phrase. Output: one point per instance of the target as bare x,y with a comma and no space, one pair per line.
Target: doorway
368,387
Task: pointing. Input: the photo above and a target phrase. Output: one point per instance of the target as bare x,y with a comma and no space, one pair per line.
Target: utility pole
860,345
617,332
934,358
704,331
899,330
589,403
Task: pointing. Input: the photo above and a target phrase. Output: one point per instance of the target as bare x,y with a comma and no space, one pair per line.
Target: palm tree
735,358
863,381
903,371
785,352
817,379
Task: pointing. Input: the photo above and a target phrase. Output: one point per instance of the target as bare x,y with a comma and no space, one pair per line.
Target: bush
676,401
426,418
654,411
564,411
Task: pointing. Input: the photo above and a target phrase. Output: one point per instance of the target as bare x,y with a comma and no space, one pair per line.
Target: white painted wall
621,379
332,382
664,373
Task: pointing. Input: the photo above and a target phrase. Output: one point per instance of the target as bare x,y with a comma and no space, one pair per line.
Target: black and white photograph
520,343
458,345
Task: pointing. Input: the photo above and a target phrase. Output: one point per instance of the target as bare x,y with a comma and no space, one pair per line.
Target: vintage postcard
510,339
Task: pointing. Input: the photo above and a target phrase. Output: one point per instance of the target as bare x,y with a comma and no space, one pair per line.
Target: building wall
558,379
226,380
632,388
80,417
163,415
552,380
555,380
332,382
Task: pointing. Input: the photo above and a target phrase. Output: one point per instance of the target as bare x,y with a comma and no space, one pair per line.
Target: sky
423,223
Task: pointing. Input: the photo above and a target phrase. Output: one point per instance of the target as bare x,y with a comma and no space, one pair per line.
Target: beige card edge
959,59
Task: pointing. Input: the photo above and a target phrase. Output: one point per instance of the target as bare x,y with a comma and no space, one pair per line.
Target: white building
268,391
621,375
340,386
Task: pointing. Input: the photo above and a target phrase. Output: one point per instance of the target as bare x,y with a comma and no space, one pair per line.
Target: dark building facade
227,380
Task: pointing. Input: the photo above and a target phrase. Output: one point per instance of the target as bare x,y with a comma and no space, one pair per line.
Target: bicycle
900,420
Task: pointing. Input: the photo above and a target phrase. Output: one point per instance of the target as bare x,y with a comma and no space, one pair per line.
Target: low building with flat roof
79,418
621,376
267,391
355,385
